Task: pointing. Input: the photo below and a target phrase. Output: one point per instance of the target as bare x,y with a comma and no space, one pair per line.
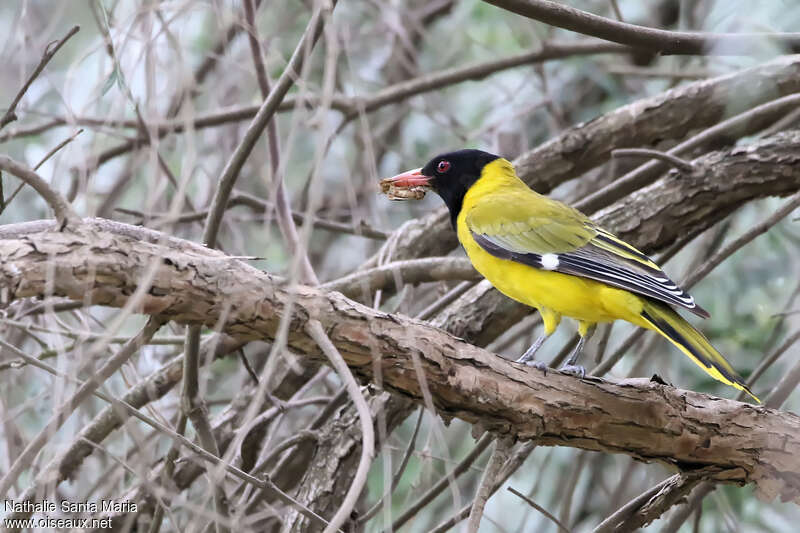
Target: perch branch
725,440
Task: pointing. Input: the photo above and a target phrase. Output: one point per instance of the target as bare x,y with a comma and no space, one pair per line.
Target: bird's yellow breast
568,295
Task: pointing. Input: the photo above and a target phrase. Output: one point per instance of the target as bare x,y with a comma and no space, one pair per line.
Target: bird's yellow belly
571,296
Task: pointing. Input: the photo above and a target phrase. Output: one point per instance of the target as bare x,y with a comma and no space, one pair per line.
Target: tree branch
726,440
33,447
256,127
61,208
661,41
410,271
49,52
315,330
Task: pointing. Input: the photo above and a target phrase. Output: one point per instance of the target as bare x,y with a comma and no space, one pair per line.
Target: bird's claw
541,365
525,359
575,370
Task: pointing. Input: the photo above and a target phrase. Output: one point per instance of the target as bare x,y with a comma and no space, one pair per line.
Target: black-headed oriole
550,256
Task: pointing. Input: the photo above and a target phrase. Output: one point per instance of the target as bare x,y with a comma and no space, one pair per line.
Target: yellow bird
550,256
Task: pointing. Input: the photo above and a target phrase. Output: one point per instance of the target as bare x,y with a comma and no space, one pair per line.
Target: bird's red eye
443,166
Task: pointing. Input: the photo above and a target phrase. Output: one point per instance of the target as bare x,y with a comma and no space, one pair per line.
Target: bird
550,256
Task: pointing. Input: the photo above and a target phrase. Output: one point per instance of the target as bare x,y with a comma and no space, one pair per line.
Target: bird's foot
541,365
525,359
575,370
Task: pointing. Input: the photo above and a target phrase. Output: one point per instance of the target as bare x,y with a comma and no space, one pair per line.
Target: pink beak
410,178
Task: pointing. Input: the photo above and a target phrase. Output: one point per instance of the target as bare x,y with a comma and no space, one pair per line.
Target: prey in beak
410,185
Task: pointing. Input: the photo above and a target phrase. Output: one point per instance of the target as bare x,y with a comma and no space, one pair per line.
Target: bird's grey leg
531,352
570,367
528,357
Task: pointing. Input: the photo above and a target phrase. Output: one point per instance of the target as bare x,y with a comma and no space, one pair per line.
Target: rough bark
331,466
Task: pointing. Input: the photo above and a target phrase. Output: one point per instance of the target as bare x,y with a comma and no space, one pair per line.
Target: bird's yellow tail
674,327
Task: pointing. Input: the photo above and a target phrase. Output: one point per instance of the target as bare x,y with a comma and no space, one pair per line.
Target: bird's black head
450,176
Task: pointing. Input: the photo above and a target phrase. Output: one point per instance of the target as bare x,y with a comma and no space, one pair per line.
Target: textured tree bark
331,466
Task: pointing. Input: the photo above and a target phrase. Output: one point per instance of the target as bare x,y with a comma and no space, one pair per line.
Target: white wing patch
549,261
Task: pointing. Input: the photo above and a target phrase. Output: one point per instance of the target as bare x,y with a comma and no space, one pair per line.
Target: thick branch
730,441
695,201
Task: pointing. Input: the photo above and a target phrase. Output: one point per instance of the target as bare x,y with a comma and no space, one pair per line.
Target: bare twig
498,458
742,240
294,440
315,330
444,78
517,458
190,396
207,66
260,206
62,209
194,407
740,125
570,483
784,388
398,473
681,514
445,300
437,488
86,389
150,389
770,359
411,271
682,74
15,133
56,148
661,41
49,51
167,472
617,12
655,154
541,509
264,484
350,106
41,162
234,165
283,206
623,513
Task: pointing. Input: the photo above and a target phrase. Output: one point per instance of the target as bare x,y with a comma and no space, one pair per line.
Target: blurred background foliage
158,46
